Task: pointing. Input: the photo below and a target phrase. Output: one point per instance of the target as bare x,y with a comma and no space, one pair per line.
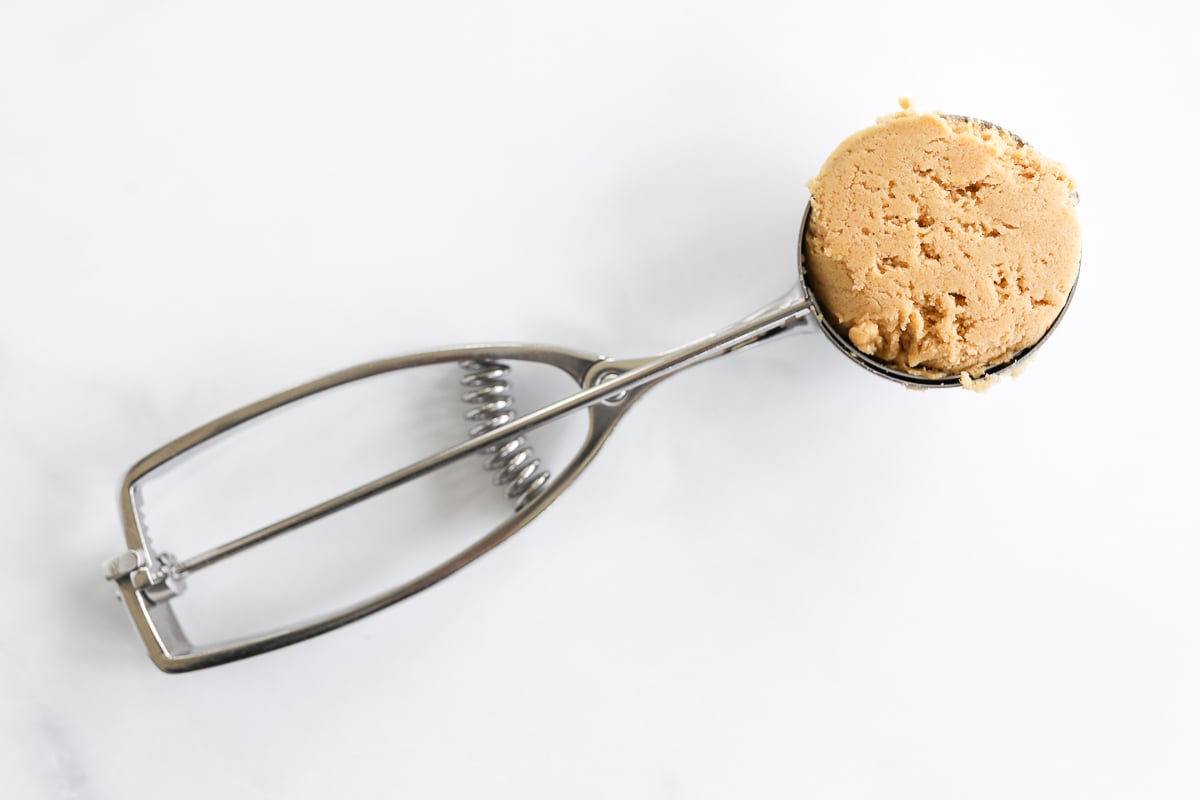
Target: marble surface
783,577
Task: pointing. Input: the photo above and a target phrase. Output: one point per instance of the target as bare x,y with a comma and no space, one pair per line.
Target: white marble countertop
782,577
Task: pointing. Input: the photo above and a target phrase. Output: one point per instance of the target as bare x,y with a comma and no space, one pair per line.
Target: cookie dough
941,245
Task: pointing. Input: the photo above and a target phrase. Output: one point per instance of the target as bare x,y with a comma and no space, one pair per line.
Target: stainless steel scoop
148,579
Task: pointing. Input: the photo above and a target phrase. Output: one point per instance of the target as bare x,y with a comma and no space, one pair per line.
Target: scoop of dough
942,246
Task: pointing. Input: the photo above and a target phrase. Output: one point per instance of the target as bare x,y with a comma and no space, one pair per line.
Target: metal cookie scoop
148,579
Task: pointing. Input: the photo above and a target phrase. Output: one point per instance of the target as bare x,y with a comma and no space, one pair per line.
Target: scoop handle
147,580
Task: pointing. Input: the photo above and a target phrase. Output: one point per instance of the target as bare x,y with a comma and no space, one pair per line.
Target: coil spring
490,396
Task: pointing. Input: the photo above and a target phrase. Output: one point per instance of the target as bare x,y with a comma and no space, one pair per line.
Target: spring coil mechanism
490,396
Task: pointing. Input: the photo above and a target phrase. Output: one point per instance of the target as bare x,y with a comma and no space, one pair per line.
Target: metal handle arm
771,321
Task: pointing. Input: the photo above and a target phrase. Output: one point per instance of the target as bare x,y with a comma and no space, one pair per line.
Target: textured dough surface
940,245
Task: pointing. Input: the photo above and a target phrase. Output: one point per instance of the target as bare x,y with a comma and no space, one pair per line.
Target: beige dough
940,245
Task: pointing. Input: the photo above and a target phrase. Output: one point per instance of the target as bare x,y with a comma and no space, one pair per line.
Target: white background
783,577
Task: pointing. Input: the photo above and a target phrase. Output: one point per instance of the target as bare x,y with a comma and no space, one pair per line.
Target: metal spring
489,395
